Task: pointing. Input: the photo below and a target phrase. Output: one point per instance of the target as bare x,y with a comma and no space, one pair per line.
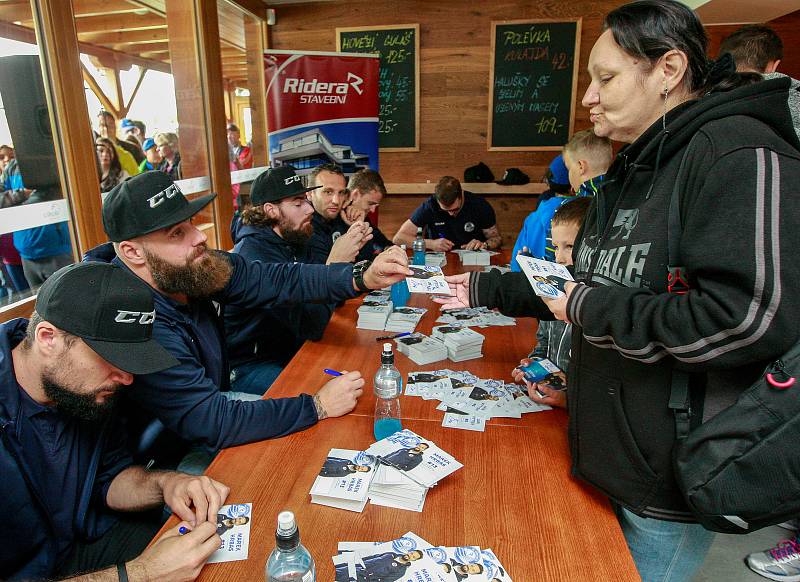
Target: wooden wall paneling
454,72
72,134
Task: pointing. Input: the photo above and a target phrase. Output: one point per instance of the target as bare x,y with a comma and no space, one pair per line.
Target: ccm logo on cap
291,179
163,195
141,317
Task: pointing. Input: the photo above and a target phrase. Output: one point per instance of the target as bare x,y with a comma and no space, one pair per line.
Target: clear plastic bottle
419,248
388,385
290,560
399,291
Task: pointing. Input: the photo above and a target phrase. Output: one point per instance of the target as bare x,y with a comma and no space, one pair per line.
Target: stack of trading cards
421,349
344,480
472,258
404,319
462,343
474,317
373,314
433,259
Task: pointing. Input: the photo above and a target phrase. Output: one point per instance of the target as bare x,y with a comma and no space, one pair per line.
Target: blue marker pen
332,372
183,530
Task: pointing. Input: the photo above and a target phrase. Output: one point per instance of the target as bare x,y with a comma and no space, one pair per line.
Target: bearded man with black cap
149,221
67,478
275,229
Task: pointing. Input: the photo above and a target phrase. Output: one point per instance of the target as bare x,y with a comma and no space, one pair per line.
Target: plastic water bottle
388,385
419,248
289,561
399,291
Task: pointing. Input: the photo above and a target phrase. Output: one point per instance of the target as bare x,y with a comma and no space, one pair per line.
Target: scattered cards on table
233,526
427,279
468,401
475,317
397,471
410,558
546,278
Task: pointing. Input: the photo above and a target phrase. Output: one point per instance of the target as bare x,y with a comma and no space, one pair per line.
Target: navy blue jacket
272,334
32,544
186,397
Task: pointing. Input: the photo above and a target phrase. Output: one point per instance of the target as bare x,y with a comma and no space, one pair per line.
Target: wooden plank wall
454,72
454,84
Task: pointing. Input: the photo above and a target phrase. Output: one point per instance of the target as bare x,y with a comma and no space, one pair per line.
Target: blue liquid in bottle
388,384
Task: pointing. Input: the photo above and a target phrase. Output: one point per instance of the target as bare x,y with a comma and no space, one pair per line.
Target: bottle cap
387,347
286,523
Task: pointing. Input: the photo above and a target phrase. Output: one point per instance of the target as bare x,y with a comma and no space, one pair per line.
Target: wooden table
514,494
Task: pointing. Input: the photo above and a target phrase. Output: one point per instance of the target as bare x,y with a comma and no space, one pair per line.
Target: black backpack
740,471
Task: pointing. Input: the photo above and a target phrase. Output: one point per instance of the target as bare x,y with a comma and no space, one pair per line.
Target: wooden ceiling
128,32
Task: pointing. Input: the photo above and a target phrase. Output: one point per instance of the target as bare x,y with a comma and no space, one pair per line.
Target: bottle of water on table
419,249
289,561
388,385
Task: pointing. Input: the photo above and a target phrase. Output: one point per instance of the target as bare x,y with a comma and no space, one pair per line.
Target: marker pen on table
332,372
388,337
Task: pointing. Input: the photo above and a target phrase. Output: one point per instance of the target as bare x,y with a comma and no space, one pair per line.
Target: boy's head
565,225
586,157
755,48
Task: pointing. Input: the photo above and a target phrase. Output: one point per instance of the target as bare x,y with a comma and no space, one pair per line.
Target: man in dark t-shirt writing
452,218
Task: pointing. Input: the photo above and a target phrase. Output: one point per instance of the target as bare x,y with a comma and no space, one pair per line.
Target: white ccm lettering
291,179
163,195
140,317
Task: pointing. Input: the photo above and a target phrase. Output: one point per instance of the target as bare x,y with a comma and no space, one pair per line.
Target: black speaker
26,110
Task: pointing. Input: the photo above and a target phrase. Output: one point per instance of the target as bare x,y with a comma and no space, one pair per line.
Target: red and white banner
322,108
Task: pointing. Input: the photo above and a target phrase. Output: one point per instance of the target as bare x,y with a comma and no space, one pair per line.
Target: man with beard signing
72,499
149,221
275,230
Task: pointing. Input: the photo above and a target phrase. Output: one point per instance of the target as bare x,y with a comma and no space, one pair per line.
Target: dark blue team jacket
186,397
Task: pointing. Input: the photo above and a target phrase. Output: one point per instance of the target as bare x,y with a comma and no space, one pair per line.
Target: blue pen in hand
183,530
332,372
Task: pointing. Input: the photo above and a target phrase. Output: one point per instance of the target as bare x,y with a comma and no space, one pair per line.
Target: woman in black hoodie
726,146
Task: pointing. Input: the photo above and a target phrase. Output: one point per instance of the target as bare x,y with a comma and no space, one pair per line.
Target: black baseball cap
146,203
276,184
109,309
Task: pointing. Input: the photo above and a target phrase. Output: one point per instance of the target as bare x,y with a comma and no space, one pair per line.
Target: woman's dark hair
647,29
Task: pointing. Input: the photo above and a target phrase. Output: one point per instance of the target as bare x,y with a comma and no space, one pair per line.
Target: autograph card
427,279
546,278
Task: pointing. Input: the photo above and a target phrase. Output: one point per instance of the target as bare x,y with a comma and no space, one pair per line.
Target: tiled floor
725,561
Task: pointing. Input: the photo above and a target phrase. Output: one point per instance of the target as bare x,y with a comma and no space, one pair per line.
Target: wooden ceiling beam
89,8
123,38
119,23
124,61
139,48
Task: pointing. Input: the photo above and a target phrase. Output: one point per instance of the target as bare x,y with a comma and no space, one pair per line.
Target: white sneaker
779,563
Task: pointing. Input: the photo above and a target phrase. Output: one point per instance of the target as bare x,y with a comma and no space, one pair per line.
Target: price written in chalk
533,83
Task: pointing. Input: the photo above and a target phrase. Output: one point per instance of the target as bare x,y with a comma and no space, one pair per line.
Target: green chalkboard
398,47
534,76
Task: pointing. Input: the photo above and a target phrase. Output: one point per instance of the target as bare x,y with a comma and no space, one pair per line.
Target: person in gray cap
148,220
275,230
72,499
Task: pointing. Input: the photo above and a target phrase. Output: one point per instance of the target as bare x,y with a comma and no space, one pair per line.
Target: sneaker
779,563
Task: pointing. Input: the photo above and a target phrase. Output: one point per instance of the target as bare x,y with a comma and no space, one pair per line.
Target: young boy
553,340
586,157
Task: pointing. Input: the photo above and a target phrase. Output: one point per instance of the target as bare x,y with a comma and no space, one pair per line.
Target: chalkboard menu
398,47
534,76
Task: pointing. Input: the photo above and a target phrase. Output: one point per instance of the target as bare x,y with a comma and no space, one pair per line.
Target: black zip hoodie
733,158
